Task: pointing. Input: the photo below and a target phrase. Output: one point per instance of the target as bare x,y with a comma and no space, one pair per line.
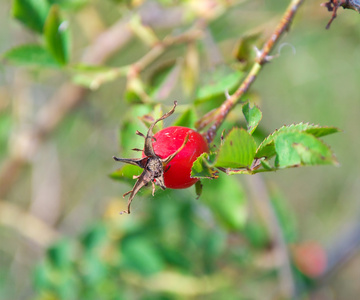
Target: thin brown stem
215,118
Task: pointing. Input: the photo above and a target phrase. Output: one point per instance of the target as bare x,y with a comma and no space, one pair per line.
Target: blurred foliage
173,246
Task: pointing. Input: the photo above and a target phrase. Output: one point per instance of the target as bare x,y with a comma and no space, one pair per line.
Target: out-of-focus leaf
94,238
252,115
237,151
227,200
128,138
285,215
267,147
300,148
187,118
217,83
202,166
32,13
62,254
69,4
127,172
57,37
244,50
150,118
30,55
257,234
198,188
165,81
6,123
190,69
136,91
141,256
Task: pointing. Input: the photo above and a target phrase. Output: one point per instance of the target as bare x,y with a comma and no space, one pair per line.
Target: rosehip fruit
178,170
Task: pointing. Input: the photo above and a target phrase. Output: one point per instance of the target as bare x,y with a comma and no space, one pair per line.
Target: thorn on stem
227,95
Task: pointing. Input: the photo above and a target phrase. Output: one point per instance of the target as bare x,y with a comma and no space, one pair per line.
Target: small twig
217,116
27,224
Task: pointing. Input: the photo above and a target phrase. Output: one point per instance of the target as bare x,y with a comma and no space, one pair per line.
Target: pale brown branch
27,224
70,95
216,117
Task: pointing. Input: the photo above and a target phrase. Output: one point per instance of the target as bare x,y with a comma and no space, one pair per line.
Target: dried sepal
154,166
333,6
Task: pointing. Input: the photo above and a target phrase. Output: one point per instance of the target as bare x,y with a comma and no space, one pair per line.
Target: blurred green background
61,233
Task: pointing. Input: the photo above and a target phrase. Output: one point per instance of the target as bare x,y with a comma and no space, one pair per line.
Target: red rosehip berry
181,143
170,139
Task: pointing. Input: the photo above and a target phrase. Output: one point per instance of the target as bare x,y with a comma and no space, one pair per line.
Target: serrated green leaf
319,131
201,167
187,118
227,200
57,37
300,148
32,13
252,115
217,84
237,151
267,147
30,55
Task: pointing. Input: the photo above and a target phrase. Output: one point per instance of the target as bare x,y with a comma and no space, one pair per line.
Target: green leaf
69,4
267,147
141,256
300,148
244,51
202,167
62,254
6,127
128,138
227,200
319,131
57,37
237,151
252,115
198,188
126,173
285,215
30,55
217,84
32,13
187,118
164,81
